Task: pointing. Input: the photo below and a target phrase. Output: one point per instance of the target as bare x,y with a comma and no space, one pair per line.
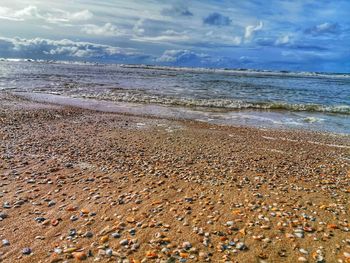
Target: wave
219,103
234,71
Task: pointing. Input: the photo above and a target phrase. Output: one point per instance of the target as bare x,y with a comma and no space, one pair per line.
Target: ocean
265,99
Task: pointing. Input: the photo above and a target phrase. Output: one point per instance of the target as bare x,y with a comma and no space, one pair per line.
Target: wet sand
85,185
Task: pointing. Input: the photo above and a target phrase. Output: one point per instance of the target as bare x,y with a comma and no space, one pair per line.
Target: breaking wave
220,103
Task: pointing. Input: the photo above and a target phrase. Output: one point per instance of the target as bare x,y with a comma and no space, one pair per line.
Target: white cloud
324,28
29,12
250,30
106,30
138,27
61,48
284,40
226,39
169,36
184,55
55,16
80,16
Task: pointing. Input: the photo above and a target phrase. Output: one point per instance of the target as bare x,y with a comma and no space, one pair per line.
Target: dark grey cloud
217,19
177,10
321,29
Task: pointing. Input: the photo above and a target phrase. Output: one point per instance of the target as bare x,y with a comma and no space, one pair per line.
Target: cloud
62,49
217,19
325,28
168,36
29,12
189,58
32,12
218,39
138,28
283,40
180,57
178,9
251,30
80,16
106,30
63,16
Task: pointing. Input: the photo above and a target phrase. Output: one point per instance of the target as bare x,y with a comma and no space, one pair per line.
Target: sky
297,35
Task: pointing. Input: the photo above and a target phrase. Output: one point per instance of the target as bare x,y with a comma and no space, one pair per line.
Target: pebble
26,251
124,242
74,218
186,245
6,205
40,219
58,250
88,234
3,215
241,246
5,242
79,256
51,203
299,233
116,235
109,252
229,223
302,259
303,251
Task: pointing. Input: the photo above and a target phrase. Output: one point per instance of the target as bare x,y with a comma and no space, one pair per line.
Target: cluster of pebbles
85,186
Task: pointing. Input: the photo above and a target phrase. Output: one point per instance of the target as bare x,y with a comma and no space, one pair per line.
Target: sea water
299,100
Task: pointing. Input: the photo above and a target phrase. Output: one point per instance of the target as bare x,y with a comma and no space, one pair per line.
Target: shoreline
87,185
238,118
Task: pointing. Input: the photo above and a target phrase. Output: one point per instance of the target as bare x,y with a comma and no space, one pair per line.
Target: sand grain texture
79,185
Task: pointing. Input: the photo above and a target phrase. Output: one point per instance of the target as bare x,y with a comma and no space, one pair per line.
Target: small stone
299,233
88,234
79,255
3,216
109,252
84,211
58,250
186,245
303,251
54,222
241,246
5,242
104,239
346,254
6,205
132,231
130,220
40,219
72,232
116,235
73,218
332,226
51,203
151,254
26,251
302,259
229,223
124,242
203,255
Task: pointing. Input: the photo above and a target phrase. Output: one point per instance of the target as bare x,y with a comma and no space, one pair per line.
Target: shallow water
265,99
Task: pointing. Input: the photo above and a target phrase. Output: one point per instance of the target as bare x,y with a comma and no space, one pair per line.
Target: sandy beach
82,185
